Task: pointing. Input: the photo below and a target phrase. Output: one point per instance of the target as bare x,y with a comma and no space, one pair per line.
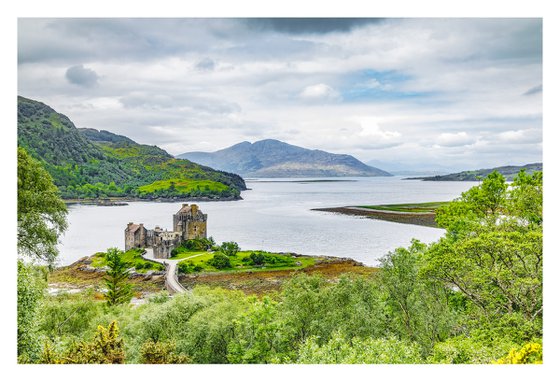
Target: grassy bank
254,261
429,207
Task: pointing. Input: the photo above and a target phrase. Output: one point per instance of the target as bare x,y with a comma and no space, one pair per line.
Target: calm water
275,215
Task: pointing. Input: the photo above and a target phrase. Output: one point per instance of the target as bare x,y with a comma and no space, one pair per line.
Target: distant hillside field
509,172
86,163
271,158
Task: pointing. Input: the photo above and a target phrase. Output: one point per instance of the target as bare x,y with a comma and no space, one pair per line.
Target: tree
420,306
257,258
40,211
492,251
526,197
119,291
229,248
30,289
220,261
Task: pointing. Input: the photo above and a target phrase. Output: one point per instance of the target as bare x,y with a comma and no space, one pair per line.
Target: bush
189,267
229,248
220,261
341,350
257,258
161,353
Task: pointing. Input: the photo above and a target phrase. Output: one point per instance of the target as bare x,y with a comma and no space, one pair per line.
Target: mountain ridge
274,158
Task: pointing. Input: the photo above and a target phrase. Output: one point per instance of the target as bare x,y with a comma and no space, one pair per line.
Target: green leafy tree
259,334
229,248
419,307
31,285
526,197
492,251
119,291
220,261
40,211
257,258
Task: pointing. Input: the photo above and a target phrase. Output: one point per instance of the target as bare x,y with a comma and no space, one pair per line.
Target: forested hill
90,163
509,172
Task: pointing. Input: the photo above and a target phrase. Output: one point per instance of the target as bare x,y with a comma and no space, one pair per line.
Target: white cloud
521,136
319,92
454,139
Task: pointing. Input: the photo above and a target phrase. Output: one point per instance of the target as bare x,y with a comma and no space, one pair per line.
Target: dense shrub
220,261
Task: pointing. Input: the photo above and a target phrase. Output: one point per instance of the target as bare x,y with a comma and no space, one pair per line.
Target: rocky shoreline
423,219
123,201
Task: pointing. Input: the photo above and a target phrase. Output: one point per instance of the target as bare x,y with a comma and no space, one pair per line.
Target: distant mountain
271,158
509,172
90,163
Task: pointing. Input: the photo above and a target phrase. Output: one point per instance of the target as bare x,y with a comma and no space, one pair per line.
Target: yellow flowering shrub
529,353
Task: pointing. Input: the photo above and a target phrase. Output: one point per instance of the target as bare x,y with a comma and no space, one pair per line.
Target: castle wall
164,243
196,230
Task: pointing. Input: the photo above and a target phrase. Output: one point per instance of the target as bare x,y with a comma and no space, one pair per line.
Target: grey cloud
179,103
309,25
206,64
534,90
81,76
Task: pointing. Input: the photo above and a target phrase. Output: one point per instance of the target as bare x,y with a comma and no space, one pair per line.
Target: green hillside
86,163
509,172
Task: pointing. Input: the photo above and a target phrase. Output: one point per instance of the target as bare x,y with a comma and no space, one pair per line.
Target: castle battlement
188,223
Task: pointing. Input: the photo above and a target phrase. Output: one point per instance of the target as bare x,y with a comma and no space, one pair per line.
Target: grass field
408,207
133,257
184,186
196,261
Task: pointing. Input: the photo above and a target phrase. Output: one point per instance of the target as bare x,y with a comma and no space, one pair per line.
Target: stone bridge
171,272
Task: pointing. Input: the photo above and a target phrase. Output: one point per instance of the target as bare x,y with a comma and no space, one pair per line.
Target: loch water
276,215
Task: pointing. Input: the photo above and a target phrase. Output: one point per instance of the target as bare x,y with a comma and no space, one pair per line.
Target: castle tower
191,222
135,236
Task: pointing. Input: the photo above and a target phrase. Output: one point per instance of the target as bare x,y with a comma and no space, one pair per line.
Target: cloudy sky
413,93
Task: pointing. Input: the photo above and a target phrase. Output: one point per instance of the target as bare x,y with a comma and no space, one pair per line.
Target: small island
410,213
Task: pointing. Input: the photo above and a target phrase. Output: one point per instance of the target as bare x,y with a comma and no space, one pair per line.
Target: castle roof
133,227
189,210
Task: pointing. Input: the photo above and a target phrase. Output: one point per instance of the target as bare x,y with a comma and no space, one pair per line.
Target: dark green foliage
257,258
509,172
40,211
220,261
30,290
69,316
186,267
229,248
107,347
91,164
340,349
161,353
199,244
119,290
420,307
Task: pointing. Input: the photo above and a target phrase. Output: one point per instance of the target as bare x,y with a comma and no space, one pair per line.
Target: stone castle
188,223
